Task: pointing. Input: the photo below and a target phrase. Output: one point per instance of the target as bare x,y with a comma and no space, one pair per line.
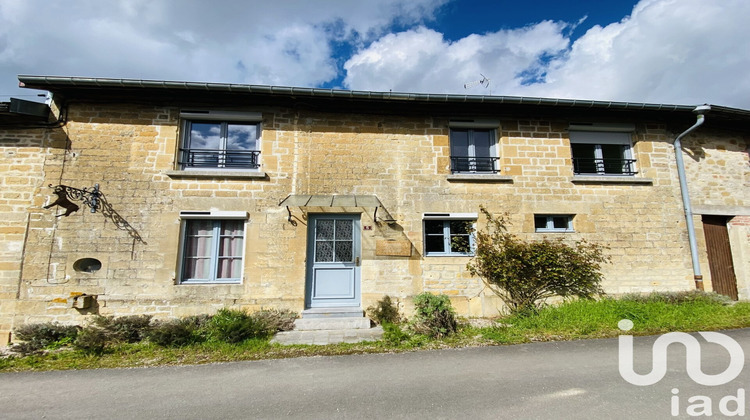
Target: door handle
356,261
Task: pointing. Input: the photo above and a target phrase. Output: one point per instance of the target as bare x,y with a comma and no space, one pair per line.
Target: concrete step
343,312
323,337
336,323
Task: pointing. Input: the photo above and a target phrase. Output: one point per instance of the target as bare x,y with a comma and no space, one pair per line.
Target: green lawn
569,321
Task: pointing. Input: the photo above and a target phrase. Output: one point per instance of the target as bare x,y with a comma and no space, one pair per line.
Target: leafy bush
234,326
524,273
129,329
178,332
434,315
275,320
385,311
92,340
38,336
393,334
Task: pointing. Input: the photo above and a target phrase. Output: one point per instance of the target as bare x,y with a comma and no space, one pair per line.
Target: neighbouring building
178,198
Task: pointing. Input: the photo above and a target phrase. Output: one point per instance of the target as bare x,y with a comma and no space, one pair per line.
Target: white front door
333,255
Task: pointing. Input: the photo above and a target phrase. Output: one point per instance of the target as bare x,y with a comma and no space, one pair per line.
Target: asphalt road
562,380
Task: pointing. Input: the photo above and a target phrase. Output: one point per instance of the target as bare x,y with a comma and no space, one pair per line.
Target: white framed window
553,223
213,246
602,150
448,234
474,147
220,140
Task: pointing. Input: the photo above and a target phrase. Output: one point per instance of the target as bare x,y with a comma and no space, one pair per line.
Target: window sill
219,173
188,283
448,255
479,178
610,179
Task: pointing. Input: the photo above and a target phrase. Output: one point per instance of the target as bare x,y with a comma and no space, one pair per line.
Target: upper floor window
228,140
602,153
473,150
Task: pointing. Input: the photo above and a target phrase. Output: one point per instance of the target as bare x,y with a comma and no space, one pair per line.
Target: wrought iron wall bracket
94,200
90,198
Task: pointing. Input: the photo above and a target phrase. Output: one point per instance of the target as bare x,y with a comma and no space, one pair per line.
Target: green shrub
434,315
234,326
92,340
177,332
38,336
393,334
129,329
525,273
275,320
384,311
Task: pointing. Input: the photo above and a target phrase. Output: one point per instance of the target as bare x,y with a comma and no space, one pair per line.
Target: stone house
195,196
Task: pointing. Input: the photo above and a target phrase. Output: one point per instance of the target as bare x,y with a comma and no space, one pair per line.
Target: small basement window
553,223
87,265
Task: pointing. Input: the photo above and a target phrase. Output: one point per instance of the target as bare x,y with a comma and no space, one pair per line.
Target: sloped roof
162,91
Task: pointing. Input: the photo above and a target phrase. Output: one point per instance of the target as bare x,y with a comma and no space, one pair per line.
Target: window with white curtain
213,251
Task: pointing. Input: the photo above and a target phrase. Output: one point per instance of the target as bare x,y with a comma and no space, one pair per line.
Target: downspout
700,110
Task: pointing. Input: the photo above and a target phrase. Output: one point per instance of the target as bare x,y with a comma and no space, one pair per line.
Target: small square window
212,251
553,223
473,151
448,237
219,144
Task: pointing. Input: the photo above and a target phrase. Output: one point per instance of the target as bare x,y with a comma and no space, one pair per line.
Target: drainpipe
700,110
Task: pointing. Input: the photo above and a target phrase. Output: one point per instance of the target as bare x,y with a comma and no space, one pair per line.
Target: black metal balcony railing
206,158
474,164
587,166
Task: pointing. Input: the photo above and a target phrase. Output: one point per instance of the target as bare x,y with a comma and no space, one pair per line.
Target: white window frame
446,218
217,217
604,134
550,225
491,126
224,118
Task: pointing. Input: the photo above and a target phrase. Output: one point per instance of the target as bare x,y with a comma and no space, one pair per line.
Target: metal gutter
54,83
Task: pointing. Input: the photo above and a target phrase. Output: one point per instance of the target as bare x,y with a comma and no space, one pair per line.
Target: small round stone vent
87,265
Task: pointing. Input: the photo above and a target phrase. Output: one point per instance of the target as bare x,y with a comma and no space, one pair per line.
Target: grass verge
580,319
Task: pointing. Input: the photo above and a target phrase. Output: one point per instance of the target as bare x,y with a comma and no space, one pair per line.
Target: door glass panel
344,229
323,251
324,229
344,251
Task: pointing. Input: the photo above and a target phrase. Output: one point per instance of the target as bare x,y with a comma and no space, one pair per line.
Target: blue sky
661,51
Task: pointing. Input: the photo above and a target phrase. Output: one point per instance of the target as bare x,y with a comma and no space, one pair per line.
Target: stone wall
129,150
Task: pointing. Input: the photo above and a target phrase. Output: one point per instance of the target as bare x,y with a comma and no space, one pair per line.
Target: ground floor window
448,237
213,251
553,223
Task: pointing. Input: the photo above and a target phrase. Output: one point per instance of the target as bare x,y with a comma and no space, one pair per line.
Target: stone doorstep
323,337
342,312
338,323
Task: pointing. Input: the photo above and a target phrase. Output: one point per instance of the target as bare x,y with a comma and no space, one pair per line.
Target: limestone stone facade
128,142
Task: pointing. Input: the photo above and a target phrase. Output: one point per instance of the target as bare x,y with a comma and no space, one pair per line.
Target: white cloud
284,42
667,51
420,60
681,51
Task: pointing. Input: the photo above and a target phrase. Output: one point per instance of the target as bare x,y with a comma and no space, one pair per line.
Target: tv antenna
484,81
